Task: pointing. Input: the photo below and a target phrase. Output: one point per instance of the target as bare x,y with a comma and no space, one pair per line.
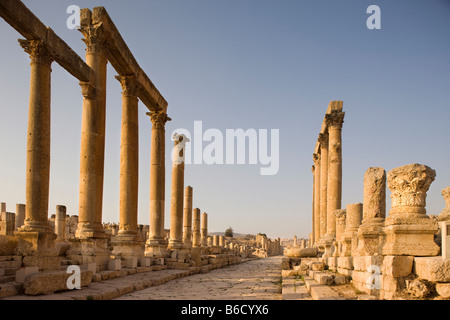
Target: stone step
294,289
320,291
10,258
10,289
6,279
10,264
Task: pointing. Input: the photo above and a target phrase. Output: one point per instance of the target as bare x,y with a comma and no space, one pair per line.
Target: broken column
177,193
444,224
204,230
187,217
196,235
340,217
352,223
374,212
60,222
20,215
156,244
408,229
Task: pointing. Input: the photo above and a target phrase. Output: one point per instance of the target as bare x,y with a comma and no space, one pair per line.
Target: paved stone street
254,280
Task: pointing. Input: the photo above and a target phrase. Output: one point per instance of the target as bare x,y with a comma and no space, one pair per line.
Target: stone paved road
253,280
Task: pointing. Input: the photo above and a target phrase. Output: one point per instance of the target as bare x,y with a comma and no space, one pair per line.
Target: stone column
196,236
204,229
92,153
38,138
313,198
60,222
129,158
409,231
374,212
20,215
187,217
334,121
176,199
340,217
352,223
323,139
156,244
316,158
445,214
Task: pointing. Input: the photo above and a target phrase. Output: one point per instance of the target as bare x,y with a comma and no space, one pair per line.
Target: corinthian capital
335,119
95,38
409,185
158,119
37,50
323,140
129,85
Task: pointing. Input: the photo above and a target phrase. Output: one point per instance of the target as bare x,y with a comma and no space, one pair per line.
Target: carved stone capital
158,119
37,50
95,38
409,185
335,119
129,84
316,158
87,90
323,140
340,215
445,214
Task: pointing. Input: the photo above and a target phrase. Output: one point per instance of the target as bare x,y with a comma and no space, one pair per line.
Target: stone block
362,263
443,289
144,262
132,263
345,262
92,266
397,266
23,273
42,262
324,278
340,279
317,266
50,282
432,268
114,265
418,288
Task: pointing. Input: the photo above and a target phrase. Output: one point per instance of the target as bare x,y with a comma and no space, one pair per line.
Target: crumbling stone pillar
374,212
177,194
7,223
60,222
445,214
20,215
187,217
340,217
156,244
196,235
129,159
352,223
316,158
409,231
204,229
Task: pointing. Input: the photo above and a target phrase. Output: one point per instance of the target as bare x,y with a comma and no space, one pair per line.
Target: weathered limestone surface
374,212
409,231
49,282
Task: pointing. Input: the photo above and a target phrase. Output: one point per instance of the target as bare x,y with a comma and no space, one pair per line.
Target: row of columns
327,176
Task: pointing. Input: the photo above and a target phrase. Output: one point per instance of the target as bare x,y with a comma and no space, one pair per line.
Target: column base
370,237
126,246
156,248
89,250
410,235
38,249
88,230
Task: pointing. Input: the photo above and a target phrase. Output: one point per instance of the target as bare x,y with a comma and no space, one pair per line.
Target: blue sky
260,64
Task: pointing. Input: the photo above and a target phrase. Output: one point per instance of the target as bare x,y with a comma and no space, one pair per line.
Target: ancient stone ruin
35,252
404,255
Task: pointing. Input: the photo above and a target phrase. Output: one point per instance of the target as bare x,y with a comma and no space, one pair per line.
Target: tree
229,232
